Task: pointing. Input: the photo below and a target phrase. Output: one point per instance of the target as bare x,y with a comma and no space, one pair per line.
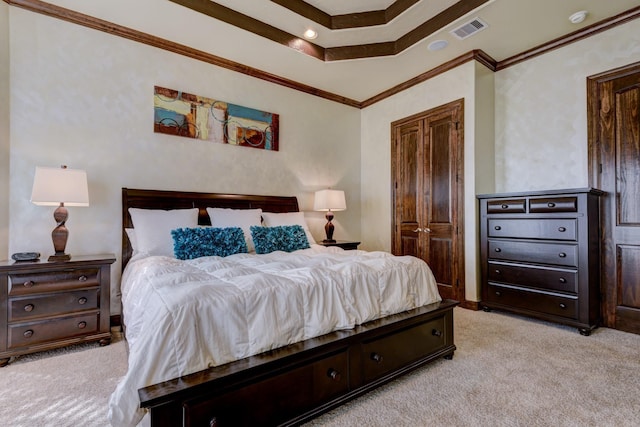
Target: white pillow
131,233
153,228
243,218
288,218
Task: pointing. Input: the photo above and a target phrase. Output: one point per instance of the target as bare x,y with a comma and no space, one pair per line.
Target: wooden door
614,166
428,193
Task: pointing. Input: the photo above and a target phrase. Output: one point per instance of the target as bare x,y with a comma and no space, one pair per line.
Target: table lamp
60,187
329,201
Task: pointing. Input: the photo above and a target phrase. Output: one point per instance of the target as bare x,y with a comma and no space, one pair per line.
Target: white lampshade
52,186
329,200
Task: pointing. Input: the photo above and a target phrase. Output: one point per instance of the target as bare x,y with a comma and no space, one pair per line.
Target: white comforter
185,316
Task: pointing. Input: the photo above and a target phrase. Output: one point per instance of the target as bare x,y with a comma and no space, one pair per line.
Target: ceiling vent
469,29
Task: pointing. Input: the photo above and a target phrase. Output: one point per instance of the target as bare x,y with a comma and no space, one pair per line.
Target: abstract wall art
192,116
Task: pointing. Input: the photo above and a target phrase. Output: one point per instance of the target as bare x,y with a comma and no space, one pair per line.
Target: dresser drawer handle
82,300
563,280
551,205
562,305
562,255
334,375
505,206
562,229
436,332
498,272
82,278
497,227
498,293
29,307
376,357
28,333
498,250
82,325
28,284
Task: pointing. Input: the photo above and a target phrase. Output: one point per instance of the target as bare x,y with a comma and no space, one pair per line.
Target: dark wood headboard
155,199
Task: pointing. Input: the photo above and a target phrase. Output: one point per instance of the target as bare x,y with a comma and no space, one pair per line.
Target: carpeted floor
507,371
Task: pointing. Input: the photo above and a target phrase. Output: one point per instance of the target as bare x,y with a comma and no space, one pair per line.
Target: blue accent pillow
190,243
287,238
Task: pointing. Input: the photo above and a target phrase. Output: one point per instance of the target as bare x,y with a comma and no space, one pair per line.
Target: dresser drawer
547,303
553,204
52,304
295,391
555,279
540,253
385,355
506,206
31,333
47,281
547,229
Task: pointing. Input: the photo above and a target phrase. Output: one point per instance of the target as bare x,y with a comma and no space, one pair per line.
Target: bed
267,377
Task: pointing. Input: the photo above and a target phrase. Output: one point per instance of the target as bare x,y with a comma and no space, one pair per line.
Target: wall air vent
469,29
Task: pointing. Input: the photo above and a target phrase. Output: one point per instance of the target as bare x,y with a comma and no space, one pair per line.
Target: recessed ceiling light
310,34
438,45
578,17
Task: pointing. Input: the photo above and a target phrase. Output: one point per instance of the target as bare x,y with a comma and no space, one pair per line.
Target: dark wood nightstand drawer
548,303
52,304
556,279
552,229
537,253
47,281
25,334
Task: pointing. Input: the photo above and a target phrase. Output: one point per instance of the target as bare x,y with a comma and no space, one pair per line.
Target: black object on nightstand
344,244
45,305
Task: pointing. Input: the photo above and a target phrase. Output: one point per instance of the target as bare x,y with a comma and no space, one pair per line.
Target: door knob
417,230
426,230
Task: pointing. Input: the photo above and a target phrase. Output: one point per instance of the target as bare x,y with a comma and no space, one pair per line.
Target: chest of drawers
540,255
44,305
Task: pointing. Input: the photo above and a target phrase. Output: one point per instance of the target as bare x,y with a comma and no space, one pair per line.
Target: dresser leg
4,362
486,309
584,331
104,341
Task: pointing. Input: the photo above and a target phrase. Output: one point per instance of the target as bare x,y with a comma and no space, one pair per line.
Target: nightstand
347,245
45,305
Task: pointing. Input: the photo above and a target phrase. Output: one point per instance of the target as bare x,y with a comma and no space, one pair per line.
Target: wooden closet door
614,134
427,194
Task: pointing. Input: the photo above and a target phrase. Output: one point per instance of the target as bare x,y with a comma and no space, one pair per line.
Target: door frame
595,153
459,260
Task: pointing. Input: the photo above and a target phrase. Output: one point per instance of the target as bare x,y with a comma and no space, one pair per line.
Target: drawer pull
563,280
562,229
334,375
551,205
498,272
504,206
562,255
28,284
497,227
436,332
376,357
213,422
29,307
82,325
562,305
28,333
498,293
82,278
498,250
82,300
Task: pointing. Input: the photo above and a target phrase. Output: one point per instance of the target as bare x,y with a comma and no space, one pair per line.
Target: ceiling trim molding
338,53
477,55
74,17
583,33
349,20
78,18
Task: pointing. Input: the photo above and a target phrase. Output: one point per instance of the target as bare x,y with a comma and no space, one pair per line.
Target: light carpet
507,371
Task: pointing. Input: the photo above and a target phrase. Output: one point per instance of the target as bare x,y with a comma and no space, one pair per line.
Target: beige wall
541,111
466,81
85,99
4,129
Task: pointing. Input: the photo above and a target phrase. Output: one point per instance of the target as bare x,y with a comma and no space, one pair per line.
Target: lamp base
59,257
328,241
